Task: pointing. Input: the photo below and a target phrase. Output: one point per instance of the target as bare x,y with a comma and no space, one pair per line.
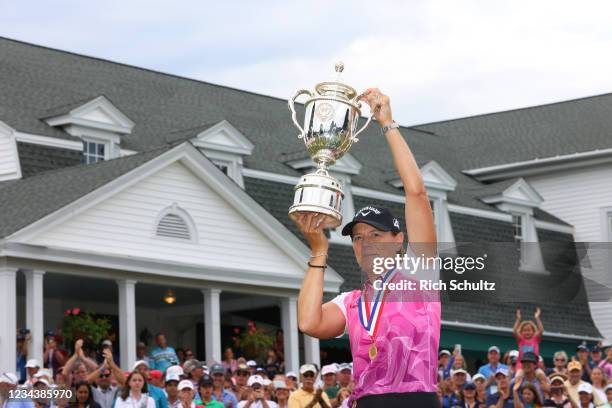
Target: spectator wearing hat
54,357
171,388
103,391
186,394
582,355
206,392
468,396
156,378
8,382
135,392
163,356
141,353
345,376
307,395
330,385
158,395
558,397
596,356
241,377
459,378
574,381
512,362
488,370
292,380
252,365
608,391
194,370
256,397
443,357
481,391
529,375
504,397
528,335
281,393
219,393
32,366
585,395
606,364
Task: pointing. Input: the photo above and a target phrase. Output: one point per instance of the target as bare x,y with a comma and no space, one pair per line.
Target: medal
370,319
372,351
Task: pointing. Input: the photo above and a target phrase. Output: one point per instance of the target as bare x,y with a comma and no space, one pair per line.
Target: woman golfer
394,338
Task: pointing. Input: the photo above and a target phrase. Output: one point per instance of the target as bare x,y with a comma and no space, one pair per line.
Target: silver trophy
330,129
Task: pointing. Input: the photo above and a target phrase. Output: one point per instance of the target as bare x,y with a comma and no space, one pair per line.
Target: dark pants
400,400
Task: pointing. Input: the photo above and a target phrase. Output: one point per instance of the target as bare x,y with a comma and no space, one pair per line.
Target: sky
436,59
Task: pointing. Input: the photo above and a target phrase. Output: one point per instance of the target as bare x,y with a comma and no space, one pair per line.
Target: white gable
522,191
98,114
10,167
225,138
434,177
125,224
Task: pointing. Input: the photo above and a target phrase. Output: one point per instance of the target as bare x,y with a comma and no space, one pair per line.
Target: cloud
437,59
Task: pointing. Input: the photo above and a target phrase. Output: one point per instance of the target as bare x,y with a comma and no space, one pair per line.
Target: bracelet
393,125
318,255
317,266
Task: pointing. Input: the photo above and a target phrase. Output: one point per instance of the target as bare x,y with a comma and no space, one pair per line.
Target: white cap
329,369
279,384
459,371
478,377
139,362
608,387
291,374
308,367
252,363
255,379
185,384
585,387
444,353
175,370
41,380
503,371
513,353
173,377
107,343
344,366
9,378
493,348
32,363
266,382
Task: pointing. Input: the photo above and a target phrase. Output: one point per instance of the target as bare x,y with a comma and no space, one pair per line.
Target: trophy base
320,193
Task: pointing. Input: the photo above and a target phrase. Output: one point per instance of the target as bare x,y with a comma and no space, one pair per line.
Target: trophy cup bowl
331,116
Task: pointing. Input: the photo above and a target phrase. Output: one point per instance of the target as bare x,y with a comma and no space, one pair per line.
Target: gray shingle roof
28,200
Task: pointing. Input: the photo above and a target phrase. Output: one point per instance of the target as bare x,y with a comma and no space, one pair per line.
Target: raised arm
517,323
315,318
419,217
536,316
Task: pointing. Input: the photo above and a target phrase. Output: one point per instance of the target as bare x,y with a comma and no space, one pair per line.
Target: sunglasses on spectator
104,375
308,374
256,386
559,359
242,373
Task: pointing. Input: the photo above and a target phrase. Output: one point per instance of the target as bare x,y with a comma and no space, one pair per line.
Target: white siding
125,224
577,196
9,160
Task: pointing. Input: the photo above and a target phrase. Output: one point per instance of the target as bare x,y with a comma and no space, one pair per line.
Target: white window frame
105,143
175,209
606,222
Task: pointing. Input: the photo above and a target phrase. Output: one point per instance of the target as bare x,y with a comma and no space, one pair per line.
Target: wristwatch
393,125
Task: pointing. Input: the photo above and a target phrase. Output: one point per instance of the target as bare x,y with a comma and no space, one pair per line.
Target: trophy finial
339,67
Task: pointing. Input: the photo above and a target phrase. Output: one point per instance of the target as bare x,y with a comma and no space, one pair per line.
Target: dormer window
518,198
93,152
98,122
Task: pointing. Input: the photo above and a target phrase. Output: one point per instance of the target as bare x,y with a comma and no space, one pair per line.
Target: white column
35,312
212,324
8,319
290,333
312,353
127,323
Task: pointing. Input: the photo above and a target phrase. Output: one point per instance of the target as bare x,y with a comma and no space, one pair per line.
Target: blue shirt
158,396
161,359
227,396
487,370
452,401
493,398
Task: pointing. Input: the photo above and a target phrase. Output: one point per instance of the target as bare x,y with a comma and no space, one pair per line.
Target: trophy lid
336,88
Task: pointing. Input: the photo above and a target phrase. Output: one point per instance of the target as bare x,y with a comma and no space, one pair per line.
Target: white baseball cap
585,387
291,374
459,371
478,377
32,363
608,387
9,378
252,363
41,380
185,384
344,366
513,353
279,384
329,369
308,367
266,382
493,348
255,379
173,377
138,363
175,370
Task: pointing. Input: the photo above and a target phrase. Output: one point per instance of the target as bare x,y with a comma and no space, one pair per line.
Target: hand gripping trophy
330,129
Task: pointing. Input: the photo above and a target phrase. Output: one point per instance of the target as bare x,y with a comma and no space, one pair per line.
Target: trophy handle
291,103
362,128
